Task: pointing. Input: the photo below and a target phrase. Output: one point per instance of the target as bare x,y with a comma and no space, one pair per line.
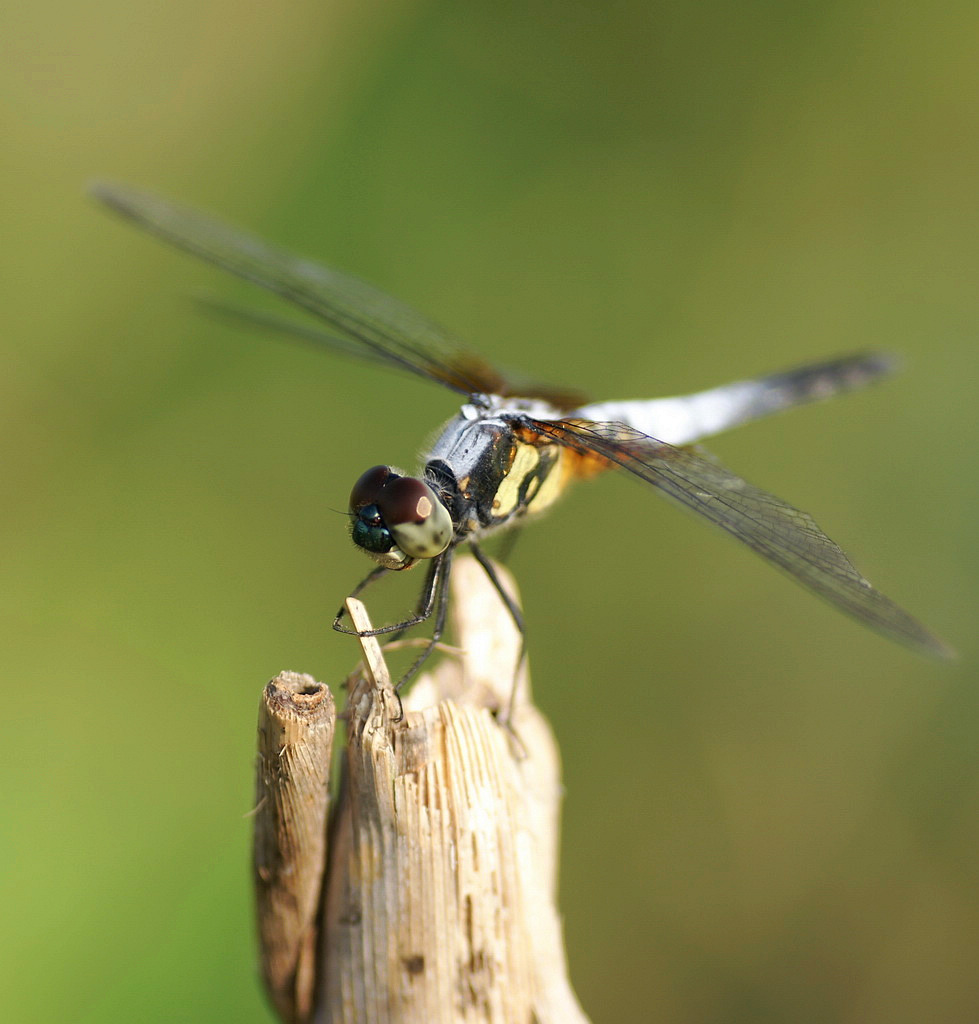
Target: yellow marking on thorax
538,476
554,481
526,459
550,467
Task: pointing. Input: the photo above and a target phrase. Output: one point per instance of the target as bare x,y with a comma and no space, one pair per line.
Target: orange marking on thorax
571,464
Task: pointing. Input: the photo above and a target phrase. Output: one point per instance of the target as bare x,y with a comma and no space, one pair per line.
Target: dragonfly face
513,447
398,519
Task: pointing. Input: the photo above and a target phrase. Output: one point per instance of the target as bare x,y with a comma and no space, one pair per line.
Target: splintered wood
296,722
441,870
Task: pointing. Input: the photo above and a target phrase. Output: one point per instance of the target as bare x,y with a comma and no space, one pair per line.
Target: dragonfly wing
369,318
685,419
769,526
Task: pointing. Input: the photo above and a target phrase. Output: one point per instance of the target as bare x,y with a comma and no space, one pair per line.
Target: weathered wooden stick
296,724
440,892
440,904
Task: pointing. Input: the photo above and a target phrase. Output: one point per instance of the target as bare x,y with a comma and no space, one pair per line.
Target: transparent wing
563,399
769,526
364,315
272,323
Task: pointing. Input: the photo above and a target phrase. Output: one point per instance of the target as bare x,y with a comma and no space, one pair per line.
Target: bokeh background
771,814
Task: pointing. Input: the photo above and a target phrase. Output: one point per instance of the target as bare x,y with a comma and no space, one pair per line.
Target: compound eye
367,490
419,523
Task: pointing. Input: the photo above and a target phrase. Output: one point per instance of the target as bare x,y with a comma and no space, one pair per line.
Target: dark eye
398,519
367,490
405,499
419,523
370,533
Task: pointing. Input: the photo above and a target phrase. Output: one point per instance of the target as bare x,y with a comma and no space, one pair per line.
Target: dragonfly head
398,519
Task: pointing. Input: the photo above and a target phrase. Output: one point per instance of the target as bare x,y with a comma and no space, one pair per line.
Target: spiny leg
515,613
423,612
435,588
374,574
437,593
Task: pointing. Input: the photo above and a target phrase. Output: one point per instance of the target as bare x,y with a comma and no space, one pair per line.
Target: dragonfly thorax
398,519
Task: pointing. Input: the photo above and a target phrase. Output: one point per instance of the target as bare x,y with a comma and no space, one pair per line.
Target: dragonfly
515,445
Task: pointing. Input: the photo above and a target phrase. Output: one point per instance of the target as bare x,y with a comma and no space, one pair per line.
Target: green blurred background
771,815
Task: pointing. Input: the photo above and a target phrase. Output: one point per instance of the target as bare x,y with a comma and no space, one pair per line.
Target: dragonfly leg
515,613
425,604
438,597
